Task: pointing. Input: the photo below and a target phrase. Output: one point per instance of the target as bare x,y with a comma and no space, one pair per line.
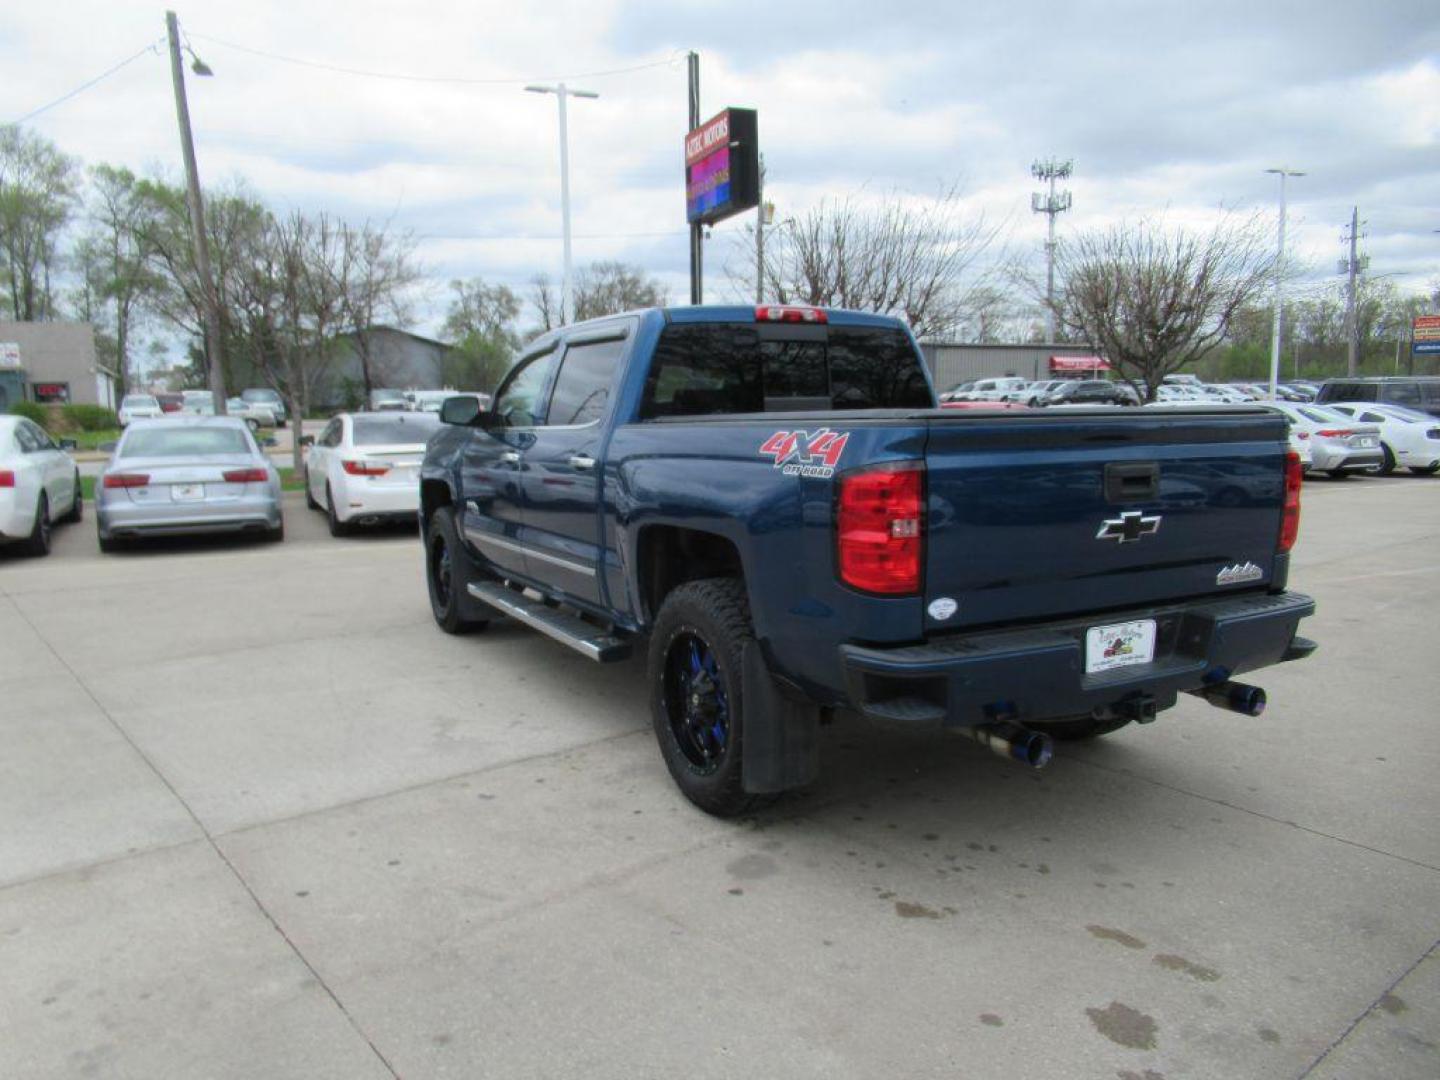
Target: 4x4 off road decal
799,453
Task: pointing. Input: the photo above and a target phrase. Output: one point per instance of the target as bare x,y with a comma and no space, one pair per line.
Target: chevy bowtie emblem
1128,527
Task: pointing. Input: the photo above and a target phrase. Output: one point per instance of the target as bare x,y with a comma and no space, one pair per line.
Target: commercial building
951,363
53,362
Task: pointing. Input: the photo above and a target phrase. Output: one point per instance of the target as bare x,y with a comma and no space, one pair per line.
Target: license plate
187,492
1365,443
1119,645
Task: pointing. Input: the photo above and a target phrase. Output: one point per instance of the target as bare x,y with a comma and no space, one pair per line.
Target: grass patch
91,440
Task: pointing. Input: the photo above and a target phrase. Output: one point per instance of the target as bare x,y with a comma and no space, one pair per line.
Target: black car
1089,392
1416,392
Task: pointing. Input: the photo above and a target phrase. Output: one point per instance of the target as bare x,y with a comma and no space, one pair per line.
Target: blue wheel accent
696,701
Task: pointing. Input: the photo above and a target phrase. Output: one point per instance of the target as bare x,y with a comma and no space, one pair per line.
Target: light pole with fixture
214,347
1279,275
561,92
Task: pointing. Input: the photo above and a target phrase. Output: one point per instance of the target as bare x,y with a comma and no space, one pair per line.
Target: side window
518,403
1371,418
1432,392
42,438
331,435
1402,393
25,436
582,389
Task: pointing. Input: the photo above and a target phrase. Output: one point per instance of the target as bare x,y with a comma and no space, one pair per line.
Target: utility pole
697,234
1050,204
561,92
214,345
1276,328
763,211
1352,267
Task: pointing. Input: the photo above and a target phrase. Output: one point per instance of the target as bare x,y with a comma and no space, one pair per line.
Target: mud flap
780,747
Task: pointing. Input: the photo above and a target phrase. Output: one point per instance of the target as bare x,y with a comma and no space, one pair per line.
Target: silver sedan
184,476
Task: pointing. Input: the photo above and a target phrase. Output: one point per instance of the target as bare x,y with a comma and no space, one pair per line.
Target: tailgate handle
1131,481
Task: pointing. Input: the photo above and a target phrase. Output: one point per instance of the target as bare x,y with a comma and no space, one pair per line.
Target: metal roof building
951,363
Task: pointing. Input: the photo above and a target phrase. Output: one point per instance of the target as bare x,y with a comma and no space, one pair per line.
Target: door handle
512,457
583,462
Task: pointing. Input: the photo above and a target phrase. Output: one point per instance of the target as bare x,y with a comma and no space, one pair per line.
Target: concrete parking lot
262,819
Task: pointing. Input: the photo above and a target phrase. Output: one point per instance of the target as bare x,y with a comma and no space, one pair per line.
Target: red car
983,405
170,403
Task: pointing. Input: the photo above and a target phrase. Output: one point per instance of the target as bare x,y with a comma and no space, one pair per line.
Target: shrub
90,417
32,411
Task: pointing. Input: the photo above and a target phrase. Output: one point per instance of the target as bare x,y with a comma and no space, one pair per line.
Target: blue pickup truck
768,500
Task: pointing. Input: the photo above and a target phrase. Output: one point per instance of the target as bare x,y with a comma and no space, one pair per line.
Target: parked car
271,399
170,403
958,392
1408,437
365,468
187,475
1001,574
39,485
1032,393
1087,392
994,389
197,403
139,407
254,414
1338,445
1167,394
1004,406
431,400
388,401
1418,392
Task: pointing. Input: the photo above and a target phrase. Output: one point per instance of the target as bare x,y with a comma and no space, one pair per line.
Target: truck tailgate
1042,515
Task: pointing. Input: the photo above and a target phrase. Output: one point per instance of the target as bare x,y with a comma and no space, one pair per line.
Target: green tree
37,195
481,324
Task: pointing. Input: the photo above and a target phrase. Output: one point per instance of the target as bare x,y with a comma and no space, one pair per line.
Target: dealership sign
1424,334
9,354
722,167
1079,363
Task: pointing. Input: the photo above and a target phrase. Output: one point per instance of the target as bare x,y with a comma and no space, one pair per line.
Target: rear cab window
708,368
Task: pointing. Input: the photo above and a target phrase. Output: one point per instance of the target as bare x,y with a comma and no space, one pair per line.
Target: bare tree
602,288
380,270
1154,299
918,259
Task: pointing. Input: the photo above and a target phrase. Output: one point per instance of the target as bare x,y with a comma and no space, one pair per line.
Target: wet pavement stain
1120,937
991,1020
1268,1035
1148,1074
1393,1004
752,867
1171,962
1124,1026
907,910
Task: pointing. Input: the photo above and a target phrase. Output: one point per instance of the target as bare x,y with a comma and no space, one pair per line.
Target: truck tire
37,544
696,702
1071,729
448,570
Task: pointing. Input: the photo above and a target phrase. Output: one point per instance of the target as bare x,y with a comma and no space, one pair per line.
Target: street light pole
214,347
561,92
1279,275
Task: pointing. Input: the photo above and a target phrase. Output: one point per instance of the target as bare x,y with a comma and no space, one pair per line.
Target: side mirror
69,444
307,440
462,410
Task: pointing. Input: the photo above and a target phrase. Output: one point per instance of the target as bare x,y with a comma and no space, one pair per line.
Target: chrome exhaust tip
1234,696
1013,741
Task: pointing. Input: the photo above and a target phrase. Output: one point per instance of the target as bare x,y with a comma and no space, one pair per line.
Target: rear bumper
1038,672
1324,458
116,520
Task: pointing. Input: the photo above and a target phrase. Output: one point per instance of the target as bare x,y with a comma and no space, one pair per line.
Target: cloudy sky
1164,107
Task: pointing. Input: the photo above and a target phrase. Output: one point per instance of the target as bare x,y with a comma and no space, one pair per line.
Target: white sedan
365,468
39,484
139,407
1407,436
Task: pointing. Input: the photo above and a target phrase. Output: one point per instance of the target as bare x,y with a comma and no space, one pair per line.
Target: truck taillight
789,313
1290,516
879,524
7,478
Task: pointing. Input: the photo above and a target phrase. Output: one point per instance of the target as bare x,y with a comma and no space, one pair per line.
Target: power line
404,77
86,86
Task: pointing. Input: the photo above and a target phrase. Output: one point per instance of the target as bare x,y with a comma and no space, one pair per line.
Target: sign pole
697,235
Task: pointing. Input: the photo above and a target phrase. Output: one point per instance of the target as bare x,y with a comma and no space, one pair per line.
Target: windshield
177,441
1409,416
392,430
386,395
1322,416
